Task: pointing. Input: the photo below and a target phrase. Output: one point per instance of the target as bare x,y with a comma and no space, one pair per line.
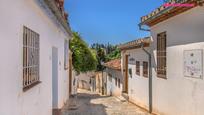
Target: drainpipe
150,78
150,71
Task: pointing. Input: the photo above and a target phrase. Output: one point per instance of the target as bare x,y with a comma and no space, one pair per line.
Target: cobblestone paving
93,104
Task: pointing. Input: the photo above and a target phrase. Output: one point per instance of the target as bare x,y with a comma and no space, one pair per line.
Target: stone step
122,99
125,96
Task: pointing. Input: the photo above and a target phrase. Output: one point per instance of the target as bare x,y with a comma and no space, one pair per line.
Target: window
31,47
116,81
161,55
130,72
119,83
145,69
110,77
137,68
66,54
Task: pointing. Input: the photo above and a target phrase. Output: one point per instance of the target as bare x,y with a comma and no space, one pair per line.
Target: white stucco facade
38,100
111,87
84,80
138,87
91,81
178,94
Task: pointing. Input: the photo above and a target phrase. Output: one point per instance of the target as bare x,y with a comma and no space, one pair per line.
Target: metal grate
138,68
161,55
31,47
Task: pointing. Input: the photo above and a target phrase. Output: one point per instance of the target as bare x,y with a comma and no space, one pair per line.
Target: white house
135,62
176,85
114,78
92,81
34,76
85,80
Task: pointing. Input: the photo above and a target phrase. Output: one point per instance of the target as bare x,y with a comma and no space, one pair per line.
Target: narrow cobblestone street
89,103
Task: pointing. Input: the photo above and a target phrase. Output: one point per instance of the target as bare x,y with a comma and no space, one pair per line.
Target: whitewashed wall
179,95
38,100
112,89
84,80
138,87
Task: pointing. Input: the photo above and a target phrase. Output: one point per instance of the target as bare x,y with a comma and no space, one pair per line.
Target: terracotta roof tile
135,43
160,14
113,64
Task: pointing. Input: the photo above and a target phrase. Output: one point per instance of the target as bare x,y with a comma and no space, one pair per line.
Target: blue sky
113,21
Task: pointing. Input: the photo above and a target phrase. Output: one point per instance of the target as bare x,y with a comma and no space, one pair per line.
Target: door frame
70,75
126,73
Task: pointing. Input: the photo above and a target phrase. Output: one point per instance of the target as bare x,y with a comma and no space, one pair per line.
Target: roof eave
113,68
166,13
52,5
136,44
135,47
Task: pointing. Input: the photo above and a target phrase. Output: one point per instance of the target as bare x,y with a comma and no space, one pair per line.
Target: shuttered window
145,69
31,47
137,68
161,55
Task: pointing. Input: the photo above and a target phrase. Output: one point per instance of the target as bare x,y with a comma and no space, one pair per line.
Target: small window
119,83
161,55
31,62
110,77
116,81
130,72
137,68
145,69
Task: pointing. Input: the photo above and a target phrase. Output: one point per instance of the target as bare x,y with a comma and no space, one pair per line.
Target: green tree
105,52
116,54
100,51
83,58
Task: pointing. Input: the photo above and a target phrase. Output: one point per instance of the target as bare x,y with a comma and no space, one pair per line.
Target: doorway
126,73
70,75
54,78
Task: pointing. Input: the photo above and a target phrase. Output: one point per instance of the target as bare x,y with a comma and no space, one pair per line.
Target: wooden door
126,73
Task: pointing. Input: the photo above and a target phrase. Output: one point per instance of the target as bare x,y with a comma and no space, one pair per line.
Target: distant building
91,81
113,77
85,80
34,46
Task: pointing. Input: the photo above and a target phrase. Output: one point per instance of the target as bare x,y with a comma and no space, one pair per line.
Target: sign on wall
131,61
193,63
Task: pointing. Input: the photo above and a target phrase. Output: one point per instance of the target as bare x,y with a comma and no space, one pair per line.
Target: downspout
150,71
150,77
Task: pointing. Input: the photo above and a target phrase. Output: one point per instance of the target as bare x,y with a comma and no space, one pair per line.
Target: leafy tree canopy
105,52
84,59
113,55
